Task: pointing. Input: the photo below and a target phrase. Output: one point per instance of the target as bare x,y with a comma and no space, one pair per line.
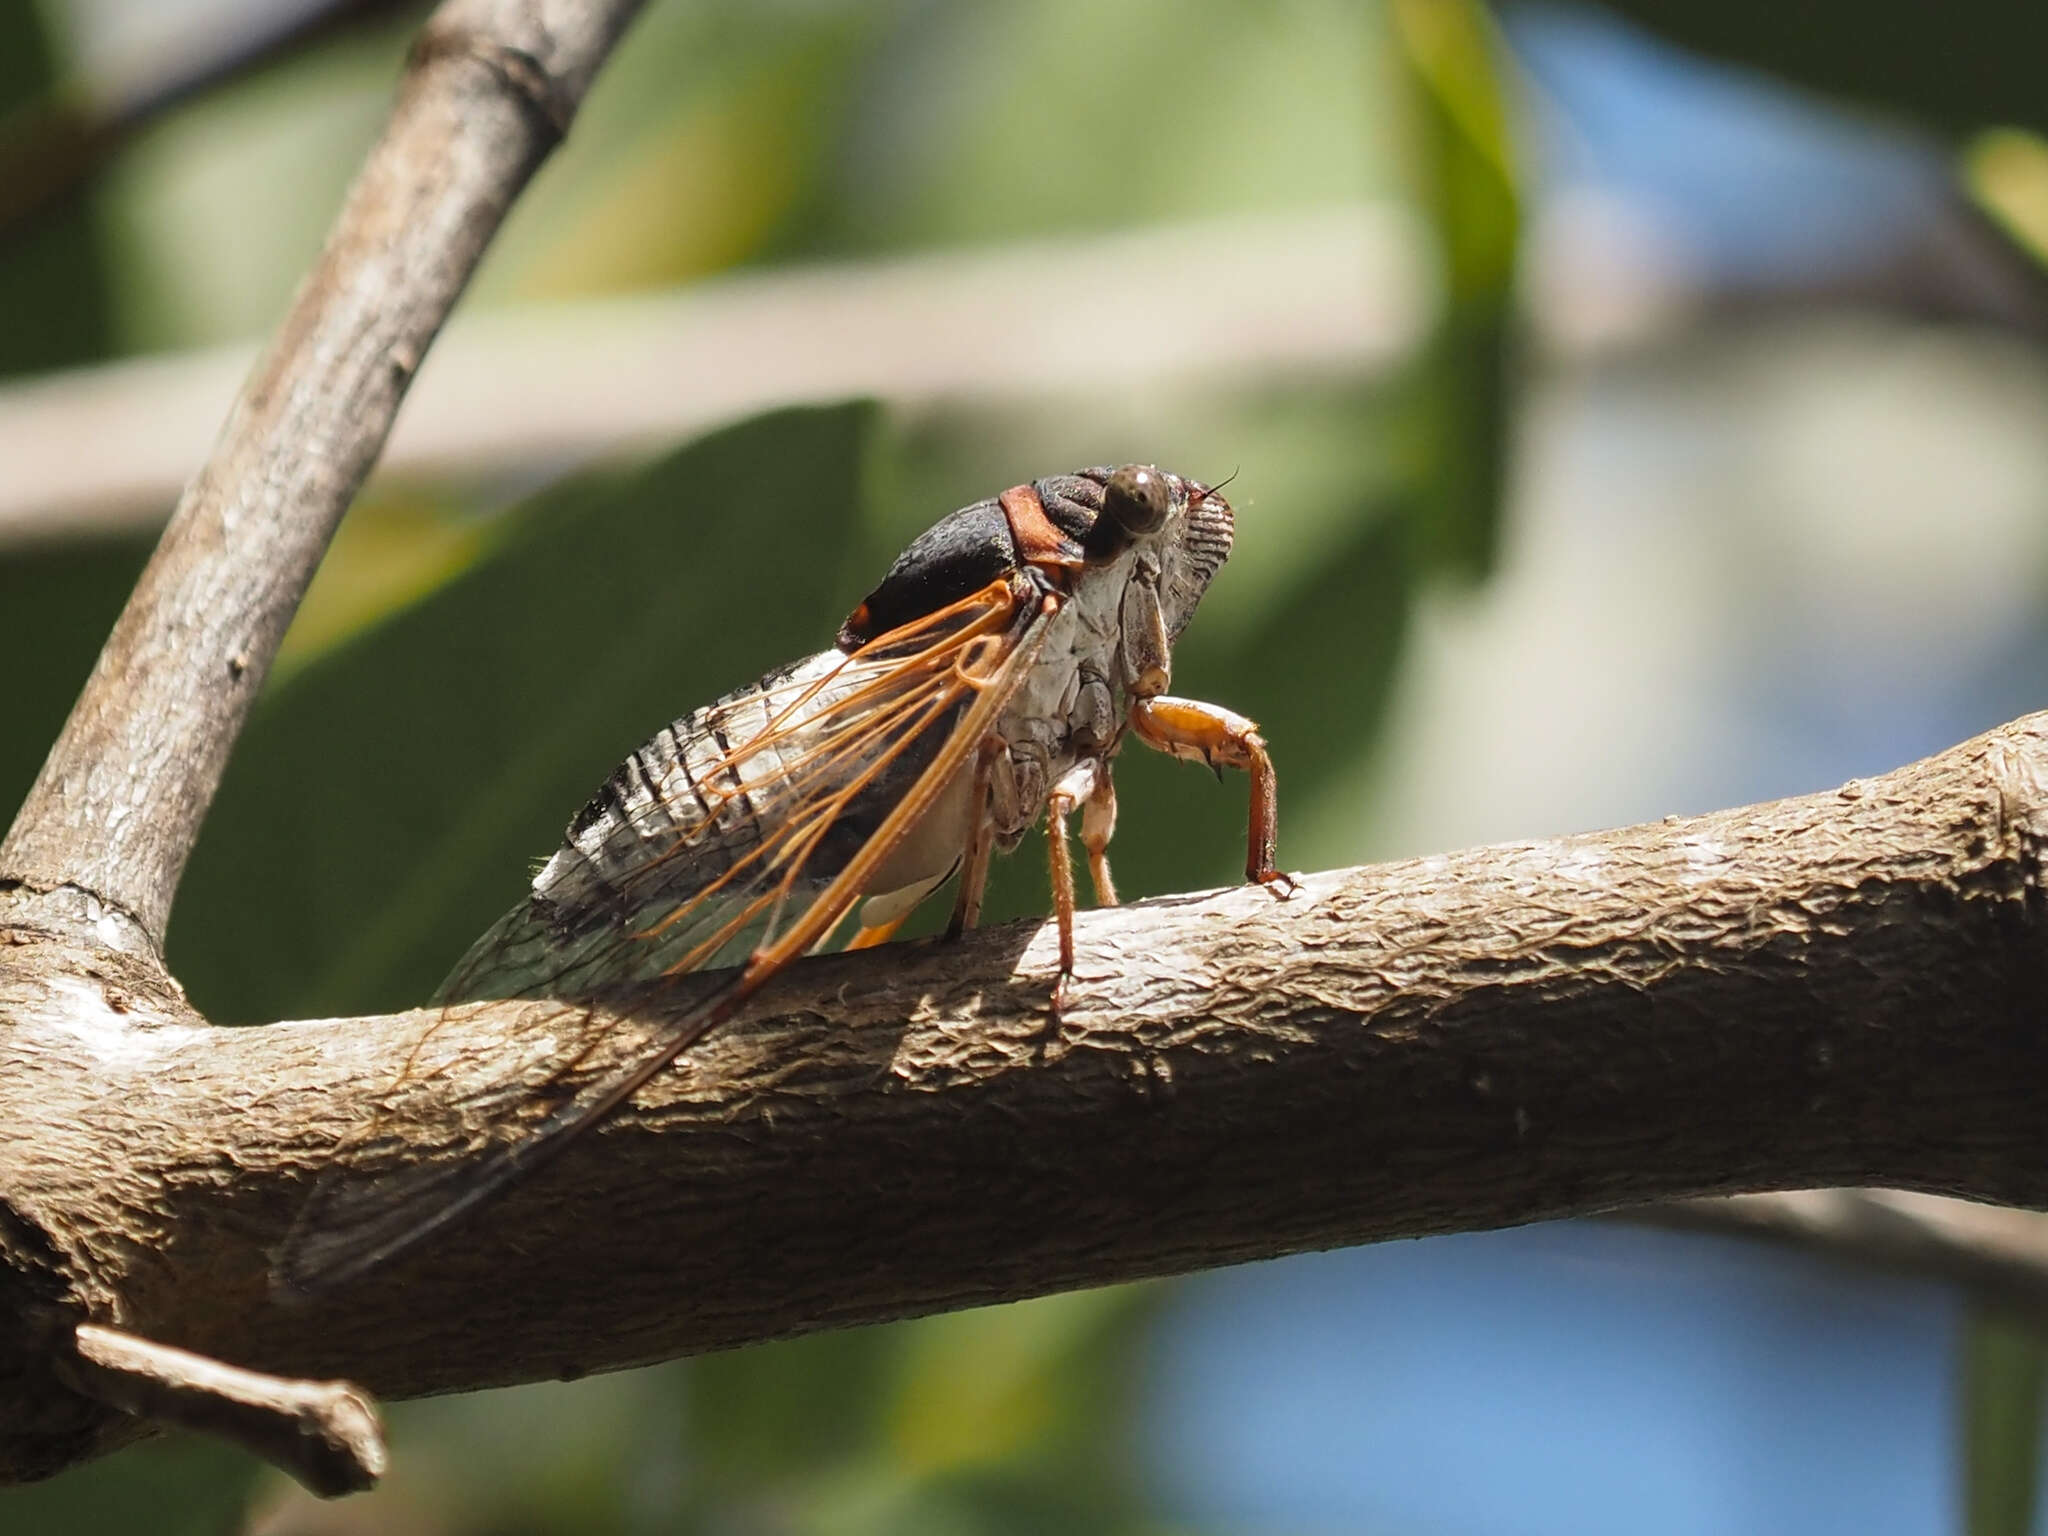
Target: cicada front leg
1221,738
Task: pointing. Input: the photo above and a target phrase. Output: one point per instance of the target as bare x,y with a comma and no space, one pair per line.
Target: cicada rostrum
990,678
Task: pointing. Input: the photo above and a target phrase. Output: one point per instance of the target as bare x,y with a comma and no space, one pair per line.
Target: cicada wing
534,950
928,693
727,824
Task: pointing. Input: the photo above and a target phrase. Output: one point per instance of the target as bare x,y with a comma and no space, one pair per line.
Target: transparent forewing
751,826
729,823
707,833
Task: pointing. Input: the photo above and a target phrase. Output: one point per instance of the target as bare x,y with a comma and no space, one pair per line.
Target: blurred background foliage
1715,470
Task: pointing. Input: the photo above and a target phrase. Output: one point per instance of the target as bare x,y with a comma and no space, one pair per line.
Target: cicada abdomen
734,815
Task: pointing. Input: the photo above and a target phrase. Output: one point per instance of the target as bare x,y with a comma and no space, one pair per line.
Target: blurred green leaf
1955,68
1451,60
60,601
1466,171
2006,171
997,1419
2005,1374
1041,1385
864,1502
762,1417
387,799
395,547
55,305
1043,117
178,1485
700,148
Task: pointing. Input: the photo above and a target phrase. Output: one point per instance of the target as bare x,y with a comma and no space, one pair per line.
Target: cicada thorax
1125,584
1065,527
959,555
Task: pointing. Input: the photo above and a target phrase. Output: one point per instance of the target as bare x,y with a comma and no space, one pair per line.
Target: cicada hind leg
1086,787
981,838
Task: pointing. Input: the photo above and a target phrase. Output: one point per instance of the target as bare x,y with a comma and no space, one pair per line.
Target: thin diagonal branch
1840,989
1998,1255
115,812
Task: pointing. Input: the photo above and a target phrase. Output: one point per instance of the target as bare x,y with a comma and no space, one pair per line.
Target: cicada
990,678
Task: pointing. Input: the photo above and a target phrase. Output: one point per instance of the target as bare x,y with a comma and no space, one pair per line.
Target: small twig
324,1433
53,146
117,807
1998,1254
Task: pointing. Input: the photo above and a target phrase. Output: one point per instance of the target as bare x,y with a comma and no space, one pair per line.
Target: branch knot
545,95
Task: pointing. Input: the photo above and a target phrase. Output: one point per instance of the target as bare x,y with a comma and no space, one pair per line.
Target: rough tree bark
1838,989
1843,988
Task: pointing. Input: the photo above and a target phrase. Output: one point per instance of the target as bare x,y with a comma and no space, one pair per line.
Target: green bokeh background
475,656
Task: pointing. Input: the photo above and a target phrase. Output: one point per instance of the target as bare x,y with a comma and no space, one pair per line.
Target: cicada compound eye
1136,499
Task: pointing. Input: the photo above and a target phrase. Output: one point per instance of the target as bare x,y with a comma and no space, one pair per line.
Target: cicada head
1090,526
1138,508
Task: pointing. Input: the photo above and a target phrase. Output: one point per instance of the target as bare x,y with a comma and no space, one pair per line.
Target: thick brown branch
1840,989
119,802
